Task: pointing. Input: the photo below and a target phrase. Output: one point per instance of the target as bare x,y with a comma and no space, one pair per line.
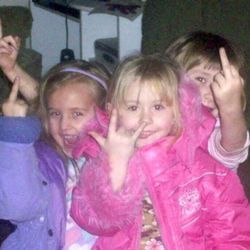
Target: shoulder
51,162
19,129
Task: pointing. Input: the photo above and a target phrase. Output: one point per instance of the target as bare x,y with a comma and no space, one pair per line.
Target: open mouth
70,140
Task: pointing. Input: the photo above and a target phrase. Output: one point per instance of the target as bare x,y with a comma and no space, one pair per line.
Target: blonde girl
151,186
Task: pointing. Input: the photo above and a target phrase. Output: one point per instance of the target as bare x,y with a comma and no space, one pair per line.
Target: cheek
52,127
169,122
127,121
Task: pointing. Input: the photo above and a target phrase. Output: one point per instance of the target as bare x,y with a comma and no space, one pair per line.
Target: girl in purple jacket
152,183
35,185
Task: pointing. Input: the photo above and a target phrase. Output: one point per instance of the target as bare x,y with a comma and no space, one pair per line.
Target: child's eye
54,114
158,107
77,114
201,79
132,107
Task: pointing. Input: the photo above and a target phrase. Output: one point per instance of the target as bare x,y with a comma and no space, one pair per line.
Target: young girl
69,96
203,58
151,186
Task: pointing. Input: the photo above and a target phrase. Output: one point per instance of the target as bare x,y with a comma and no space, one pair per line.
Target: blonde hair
70,73
159,71
198,47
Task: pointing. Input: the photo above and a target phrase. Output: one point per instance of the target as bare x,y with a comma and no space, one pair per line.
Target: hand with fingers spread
14,106
119,146
228,87
9,47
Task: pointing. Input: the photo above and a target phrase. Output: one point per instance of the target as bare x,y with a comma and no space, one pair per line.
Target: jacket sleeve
227,213
99,210
229,159
21,191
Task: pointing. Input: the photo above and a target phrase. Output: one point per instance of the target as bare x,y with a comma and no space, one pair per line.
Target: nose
65,122
146,116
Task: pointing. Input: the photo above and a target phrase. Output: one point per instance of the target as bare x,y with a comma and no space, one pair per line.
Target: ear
109,107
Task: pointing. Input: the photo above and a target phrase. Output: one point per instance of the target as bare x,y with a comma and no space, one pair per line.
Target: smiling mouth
145,135
70,140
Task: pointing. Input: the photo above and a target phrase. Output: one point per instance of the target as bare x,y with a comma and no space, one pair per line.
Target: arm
228,93
96,207
230,159
109,193
9,47
21,195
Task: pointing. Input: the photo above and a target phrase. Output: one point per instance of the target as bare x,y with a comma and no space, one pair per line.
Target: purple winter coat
32,187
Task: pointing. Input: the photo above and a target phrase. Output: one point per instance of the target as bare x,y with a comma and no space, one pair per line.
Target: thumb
18,41
100,140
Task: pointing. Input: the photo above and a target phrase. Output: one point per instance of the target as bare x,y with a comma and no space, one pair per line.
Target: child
9,47
151,186
203,57
32,181
69,96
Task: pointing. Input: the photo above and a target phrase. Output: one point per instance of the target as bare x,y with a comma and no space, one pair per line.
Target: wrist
118,174
11,73
234,110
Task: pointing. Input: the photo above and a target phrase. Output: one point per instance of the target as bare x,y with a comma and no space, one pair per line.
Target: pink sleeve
229,159
227,214
99,210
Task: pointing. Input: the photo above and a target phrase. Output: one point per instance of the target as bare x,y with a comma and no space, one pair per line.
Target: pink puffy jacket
198,203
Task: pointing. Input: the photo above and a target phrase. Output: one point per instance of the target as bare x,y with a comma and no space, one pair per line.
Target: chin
141,143
68,153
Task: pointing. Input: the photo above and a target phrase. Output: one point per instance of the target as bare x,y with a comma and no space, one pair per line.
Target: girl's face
142,104
203,77
70,107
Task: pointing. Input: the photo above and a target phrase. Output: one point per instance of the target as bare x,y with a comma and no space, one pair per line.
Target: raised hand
228,90
119,146
9,47
228,87
14,106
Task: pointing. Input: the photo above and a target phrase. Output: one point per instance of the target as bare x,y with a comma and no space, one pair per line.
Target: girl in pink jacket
149,183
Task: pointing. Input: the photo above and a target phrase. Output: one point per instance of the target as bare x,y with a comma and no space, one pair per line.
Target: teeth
70,138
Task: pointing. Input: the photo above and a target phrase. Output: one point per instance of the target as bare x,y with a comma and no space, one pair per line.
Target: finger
11,42
235,72
1,29
218,79
5,51
100,140
18,42
139,130
226,67
14,90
